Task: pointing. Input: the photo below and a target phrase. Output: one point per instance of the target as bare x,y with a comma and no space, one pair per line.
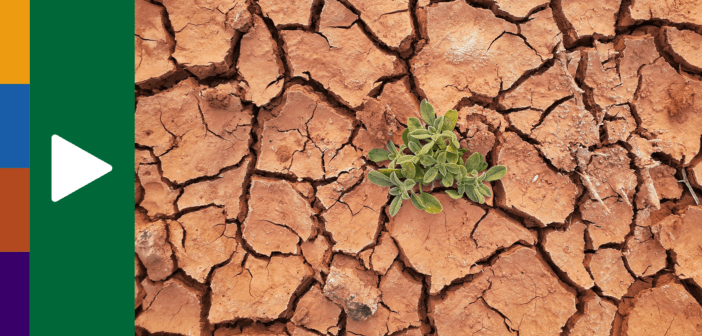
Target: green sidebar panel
82,89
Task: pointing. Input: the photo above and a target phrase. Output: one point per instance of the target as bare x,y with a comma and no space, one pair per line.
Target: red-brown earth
254,214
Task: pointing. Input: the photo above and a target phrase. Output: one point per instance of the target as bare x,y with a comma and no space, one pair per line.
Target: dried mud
254,214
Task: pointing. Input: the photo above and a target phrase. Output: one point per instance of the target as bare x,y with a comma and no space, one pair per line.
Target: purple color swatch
14,293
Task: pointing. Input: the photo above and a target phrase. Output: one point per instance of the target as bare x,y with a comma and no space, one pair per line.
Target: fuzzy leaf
495,173
395,180
417,202
413,124
451,117
432,205
405,195
447,181
464,171
472,194
452,149
439,123
430,174
405,159
395,191
442,169
482,167
420,134
408,170
453,194
427,160
441,158
380,179
426,148
474,162
378,154
461,189
395,205
452,158
388,171
391,147
419,173
483,189
405,136
414,147
427,112
453,168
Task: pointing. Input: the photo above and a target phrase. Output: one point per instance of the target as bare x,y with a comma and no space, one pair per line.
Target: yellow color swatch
14,42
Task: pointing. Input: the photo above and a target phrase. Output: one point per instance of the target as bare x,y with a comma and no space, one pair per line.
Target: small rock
665,102
259,65
518,9
470,52
354,221
583,19
683,235
227,190
694,174
286,13
642,149
261,289
604,226
152,44
567,251
530,183
204,42
336,15
342,161
318,254
644,255
343,60
527,292
374,325
365,141
383,254
315,311
351,286
159,196
151,245
568,127
329,194
542,33
664,310
621,127
596,320
401,293
176,309
201,240
684,46
439,246
667,186
610,173
389,21
151,289
270,225
607,268
142,157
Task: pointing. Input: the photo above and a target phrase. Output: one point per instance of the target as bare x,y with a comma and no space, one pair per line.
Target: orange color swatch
14,207
14,36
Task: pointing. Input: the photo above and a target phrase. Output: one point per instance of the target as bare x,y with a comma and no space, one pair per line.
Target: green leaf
452,149
451,117
414,147
408,170
464,171
472,194
442,169
413,124
427,148
441,158
453,168
447,181
395,191
474,162
453,194
430,174
405,195
427,112
419,173
420,134
495,173
482,167
481,198
405,159
461,189
391,147
405,136
395,181
379,179
432,205
452,158
483,189
378,154
409,183
427,160
395,205
388,171
417,202
439,123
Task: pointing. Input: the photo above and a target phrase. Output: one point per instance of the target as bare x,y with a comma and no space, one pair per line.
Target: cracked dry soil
254,214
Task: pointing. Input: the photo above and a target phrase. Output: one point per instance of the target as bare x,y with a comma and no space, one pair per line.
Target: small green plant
431,152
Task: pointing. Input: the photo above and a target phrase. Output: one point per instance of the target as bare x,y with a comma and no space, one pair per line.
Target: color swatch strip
14,168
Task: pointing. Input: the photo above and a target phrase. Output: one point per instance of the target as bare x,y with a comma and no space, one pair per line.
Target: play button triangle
72,168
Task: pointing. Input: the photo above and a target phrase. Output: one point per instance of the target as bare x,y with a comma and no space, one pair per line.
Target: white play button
72,168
